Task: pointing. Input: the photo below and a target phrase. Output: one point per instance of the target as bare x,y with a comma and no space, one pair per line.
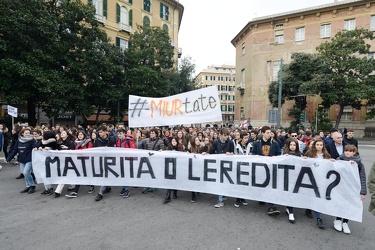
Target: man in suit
336,148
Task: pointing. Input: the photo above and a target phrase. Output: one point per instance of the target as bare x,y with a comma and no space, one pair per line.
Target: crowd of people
18,144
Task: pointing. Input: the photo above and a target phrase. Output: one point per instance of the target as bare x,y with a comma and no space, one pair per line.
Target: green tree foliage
54,53
148,59
345,76
301,69
181,80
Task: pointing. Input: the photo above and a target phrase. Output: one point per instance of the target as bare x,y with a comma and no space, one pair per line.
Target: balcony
100,18
125,27
241,88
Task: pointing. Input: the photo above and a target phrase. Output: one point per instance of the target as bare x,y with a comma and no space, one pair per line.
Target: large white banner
202,105
321,185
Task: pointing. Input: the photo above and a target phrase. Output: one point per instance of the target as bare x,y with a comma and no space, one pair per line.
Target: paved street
142,221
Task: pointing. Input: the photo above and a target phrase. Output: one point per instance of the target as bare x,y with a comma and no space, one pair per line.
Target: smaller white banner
12,111
202,105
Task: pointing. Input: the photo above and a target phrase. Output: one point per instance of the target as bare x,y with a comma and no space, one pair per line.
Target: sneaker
345,228
290,216
262,203
122,192
107,190
47,192
98,197
126,193
25,190
220,204
91,190
57,195
146,190
21,176
337,224
308,214
244,202
31,190
237,204
72,195
273,211
192,200
71,188
320,223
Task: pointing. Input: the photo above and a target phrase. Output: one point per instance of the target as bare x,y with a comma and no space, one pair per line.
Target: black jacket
361,169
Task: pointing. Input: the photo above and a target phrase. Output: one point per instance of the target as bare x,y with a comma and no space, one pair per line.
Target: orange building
264,41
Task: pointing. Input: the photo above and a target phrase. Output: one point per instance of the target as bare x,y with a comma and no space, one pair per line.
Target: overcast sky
208,26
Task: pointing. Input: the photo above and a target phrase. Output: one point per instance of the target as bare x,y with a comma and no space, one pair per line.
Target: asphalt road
142,221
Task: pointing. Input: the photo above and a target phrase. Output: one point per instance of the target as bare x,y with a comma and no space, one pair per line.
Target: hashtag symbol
139,105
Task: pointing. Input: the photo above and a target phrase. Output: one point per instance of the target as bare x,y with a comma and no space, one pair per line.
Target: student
291,148
24,147
82,142
371,188
66,142
266,146
222,145
243,147
350,154
174,145
195,148
154,143
318,150
103,140
124,141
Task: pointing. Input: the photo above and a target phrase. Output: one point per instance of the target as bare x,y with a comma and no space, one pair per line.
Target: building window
243,49
300,34
231,88
164,11
122,44
372,23
276,69
325,30
279,36
147,5
349,24
370,55
146,21
100,9
243,76
347,114
223,108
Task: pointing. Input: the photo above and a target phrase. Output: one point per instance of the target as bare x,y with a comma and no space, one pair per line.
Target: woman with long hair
317,150
195,148
24,147
174,145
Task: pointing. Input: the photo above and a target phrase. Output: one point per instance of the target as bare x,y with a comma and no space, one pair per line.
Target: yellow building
264,41
224,78
121,17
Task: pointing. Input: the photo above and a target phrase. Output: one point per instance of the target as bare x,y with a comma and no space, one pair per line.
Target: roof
294,12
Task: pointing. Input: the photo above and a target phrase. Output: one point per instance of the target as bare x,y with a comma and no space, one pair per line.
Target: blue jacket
23,149
274,151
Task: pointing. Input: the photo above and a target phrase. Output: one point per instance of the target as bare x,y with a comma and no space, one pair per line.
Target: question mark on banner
333,184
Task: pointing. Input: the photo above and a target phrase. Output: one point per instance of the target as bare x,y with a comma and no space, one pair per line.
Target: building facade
224,78
121,17
264,41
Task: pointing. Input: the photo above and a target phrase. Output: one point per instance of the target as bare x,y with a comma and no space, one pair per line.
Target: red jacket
127,142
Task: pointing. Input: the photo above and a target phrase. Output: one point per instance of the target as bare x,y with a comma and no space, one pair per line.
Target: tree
345,76
50,54
301,69
148,58
181,80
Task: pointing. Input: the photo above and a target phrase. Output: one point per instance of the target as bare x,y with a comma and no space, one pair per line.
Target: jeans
221,198
26,169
